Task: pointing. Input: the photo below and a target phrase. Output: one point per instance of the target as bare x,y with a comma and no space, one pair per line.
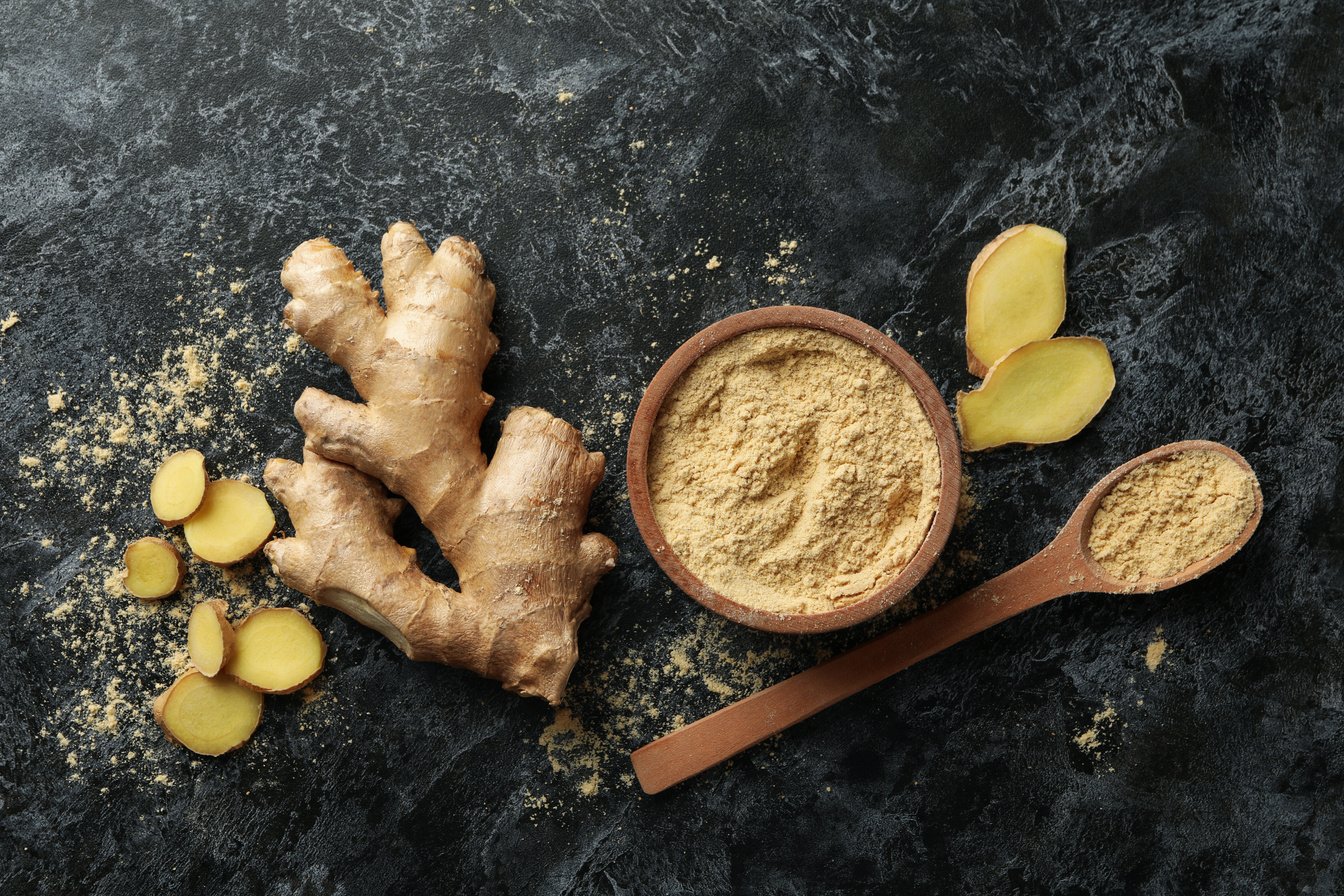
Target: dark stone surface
1192,153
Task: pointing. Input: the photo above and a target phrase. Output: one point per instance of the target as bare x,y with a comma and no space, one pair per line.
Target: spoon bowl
1101,581
1065,566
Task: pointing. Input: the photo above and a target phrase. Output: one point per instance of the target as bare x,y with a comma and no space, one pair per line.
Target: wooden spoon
1065,566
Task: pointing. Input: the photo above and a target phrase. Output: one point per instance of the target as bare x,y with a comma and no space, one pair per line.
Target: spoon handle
705,743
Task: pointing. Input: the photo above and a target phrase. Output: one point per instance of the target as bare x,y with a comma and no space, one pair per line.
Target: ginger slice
154,568
276,651
233,522
512,526
209,716
209,637
1014,293
1043,392
178,487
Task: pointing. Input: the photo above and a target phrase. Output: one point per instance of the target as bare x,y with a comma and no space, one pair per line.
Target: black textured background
1192,154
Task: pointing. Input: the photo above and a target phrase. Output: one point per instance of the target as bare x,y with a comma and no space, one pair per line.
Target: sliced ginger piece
154,568
233,522
276,651
209,637
1043,392
1014,293
178,487
210,716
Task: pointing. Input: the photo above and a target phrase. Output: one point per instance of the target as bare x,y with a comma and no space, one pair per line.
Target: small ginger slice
178,487
209,716
209,637
276,651
1014,293
154,568
1043,392
233,522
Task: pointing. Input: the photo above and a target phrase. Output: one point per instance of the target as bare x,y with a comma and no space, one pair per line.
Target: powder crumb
56,401
1156,652
793,470
191,364
570,746
716,686
564,96
1167,515
9,322
1091,740
637,145
236,287
30,462
292,342
713,264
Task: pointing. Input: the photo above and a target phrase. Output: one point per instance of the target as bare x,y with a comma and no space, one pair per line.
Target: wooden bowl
949,452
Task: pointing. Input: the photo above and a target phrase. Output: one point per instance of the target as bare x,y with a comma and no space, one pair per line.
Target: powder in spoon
793,470
1165,515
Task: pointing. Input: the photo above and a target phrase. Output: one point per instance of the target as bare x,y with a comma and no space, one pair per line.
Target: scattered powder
115,653
780,270
793,470
1167,515
9,321
1091,739
569,746
636,697
1156,652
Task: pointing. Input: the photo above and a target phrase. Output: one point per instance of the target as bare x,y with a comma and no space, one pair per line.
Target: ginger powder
1166,515
793,470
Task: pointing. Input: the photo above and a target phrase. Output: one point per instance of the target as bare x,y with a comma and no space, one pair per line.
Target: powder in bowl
1166,515
793,470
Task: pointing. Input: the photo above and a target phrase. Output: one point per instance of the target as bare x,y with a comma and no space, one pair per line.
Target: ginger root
178,487
210,637
1014,294
276,651
512,527
154,568
233,522
209,716
1043,392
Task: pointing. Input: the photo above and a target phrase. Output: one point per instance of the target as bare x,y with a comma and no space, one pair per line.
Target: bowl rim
930,399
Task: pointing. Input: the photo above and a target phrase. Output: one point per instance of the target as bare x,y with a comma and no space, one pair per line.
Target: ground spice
1167,515
793,470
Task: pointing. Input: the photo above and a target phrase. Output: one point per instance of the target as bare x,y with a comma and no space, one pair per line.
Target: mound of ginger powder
793,470
1166,515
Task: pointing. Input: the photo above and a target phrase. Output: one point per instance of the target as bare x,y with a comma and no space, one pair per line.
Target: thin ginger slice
276,651
178,487
1043,392
209,637
232,524
1014,294
154,568
209,716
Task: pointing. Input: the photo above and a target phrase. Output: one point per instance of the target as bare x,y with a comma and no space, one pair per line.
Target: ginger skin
512,528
